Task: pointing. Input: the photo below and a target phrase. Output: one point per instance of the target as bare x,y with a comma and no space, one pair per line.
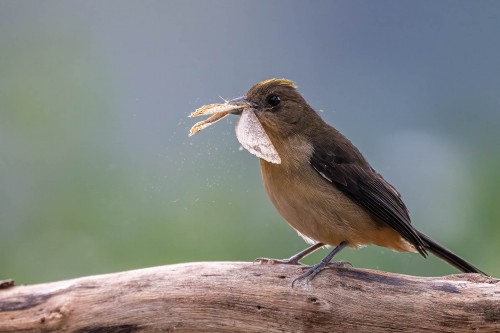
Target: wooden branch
246,297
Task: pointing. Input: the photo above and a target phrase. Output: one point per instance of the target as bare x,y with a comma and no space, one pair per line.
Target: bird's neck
294,151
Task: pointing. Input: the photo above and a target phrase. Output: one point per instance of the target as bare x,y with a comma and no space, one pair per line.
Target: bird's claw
270,261
314,270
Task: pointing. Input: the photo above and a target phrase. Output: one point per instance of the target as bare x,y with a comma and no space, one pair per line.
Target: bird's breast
316,208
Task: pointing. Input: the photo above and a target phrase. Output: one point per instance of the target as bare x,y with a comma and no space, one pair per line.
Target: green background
97,173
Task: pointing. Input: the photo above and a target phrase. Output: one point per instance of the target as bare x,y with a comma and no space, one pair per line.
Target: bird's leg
314,270
293,260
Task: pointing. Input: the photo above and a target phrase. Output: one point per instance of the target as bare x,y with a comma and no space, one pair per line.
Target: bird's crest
281,82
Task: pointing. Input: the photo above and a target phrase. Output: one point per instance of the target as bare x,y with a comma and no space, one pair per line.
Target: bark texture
245,297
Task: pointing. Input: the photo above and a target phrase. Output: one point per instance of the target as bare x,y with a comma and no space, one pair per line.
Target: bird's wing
368,189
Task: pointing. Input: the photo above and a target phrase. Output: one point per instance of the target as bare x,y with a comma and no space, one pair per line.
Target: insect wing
201,125
253,137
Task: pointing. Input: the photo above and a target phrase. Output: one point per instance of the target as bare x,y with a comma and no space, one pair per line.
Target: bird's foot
314,270
270,261
310,273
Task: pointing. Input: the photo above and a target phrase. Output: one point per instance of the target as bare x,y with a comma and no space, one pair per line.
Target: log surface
246,297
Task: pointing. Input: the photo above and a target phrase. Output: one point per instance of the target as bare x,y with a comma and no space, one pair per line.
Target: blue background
97,173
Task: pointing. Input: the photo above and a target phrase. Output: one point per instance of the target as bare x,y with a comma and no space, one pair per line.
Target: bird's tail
449,256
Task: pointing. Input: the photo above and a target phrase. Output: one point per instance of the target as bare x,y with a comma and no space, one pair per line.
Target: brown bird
320,182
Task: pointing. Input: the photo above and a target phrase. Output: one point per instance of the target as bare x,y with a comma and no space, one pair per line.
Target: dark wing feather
354,177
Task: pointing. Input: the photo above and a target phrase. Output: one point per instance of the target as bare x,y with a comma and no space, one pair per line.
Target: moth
249,130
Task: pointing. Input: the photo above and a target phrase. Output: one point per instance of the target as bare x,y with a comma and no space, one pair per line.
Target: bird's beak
240,102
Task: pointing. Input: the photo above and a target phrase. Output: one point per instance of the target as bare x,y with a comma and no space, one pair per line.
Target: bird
321,184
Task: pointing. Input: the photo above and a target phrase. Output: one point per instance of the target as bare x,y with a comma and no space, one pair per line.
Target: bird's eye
273,100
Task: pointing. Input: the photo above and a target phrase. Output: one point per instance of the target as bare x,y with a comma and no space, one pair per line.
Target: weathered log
245,297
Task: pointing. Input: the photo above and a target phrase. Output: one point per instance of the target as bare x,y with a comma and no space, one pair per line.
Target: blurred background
97,173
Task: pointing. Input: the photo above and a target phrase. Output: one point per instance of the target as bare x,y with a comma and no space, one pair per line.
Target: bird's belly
322,213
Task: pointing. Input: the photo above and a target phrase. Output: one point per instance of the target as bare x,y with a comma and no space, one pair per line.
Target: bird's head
280,108
271,112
